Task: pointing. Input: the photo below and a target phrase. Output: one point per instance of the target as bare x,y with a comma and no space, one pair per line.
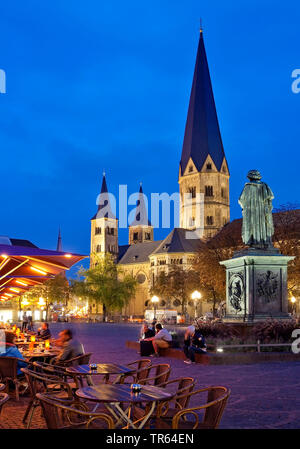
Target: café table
116,397
104,369
37,354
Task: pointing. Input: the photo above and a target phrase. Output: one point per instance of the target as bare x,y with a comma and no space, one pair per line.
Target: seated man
10,350
44,332
148,332
197,346
70,347
162,339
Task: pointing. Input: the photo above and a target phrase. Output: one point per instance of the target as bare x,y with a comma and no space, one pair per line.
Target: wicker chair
47,369
52,385
9,373
83,359
60,416
206,416
155,375
165,410
3,398
139,373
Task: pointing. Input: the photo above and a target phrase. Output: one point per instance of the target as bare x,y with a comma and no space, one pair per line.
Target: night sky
100,85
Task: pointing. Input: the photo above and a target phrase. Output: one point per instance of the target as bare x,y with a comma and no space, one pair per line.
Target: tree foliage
104,283
177,285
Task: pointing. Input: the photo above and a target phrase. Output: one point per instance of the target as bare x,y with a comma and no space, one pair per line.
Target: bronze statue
256,202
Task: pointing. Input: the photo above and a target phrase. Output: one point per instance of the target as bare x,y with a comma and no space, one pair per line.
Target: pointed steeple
141,214
202,134
59,243
103,201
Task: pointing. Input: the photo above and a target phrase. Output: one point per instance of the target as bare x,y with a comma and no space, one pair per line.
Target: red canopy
24,267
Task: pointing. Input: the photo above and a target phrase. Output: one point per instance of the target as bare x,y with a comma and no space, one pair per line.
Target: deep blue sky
105,85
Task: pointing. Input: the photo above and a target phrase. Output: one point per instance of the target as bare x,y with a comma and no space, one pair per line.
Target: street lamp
154,301
293,301
195,297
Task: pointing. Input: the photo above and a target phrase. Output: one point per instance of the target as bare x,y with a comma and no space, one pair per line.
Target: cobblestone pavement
265,395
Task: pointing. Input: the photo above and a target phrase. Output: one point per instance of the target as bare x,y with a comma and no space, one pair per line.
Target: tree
55,289
104,283
177,284
286,238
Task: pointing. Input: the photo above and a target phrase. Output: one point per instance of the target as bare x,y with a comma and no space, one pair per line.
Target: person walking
24,322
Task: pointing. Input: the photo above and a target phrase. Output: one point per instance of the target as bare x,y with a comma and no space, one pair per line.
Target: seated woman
10,350
197,346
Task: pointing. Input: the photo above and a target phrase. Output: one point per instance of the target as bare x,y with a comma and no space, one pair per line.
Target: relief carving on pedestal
267,286
236,291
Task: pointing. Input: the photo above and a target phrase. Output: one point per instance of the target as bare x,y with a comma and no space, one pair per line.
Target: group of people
160,338
69,346
27,323
157,335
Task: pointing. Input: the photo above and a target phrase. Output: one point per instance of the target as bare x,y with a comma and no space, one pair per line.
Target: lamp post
293,301
195,297
154,301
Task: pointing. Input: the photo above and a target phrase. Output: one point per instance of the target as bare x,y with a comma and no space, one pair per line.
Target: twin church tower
203,174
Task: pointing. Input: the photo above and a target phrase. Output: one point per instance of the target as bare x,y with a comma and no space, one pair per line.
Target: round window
141,278
176,303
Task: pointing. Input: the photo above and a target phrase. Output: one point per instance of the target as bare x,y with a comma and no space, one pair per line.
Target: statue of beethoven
256,202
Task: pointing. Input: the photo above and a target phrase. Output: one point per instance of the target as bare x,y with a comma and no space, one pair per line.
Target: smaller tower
140,230
104,226
59,244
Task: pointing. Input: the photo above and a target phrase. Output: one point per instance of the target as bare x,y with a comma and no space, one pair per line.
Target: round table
45,355
104,369
113,396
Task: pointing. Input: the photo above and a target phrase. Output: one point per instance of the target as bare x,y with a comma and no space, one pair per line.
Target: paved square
265,395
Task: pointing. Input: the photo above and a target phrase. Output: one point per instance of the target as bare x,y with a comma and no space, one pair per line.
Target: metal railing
258,345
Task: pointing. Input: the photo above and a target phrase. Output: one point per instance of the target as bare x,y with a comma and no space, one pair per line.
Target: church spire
103,202
141,212
140,230
202,134
59,244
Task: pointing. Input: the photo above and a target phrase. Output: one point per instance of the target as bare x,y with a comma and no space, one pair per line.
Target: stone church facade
203,179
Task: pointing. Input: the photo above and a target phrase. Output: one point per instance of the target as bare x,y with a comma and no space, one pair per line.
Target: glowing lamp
47,344
18,331
32,338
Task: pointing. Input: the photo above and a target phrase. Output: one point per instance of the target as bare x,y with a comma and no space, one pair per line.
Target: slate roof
137,253
202,133
176,242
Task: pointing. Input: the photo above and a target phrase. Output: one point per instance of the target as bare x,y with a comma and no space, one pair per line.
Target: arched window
209,220
98,249
209,191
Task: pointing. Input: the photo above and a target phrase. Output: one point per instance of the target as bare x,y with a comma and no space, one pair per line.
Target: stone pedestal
256,286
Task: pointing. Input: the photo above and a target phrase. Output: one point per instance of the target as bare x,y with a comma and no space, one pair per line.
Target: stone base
256,286
254,319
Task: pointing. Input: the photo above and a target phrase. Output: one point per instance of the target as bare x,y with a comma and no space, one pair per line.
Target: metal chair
155,375
60,416
53,385
206,416
83,359
138,374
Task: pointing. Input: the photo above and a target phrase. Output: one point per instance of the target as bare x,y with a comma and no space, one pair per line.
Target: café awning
23,266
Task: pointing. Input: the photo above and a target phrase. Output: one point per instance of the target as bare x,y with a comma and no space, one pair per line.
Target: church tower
104,226
140,230
203,171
